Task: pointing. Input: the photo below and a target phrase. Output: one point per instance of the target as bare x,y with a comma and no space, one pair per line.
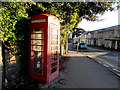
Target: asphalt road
83,72
110,59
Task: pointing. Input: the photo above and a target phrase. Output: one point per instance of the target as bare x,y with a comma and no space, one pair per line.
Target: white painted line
116,70
105,62
105,65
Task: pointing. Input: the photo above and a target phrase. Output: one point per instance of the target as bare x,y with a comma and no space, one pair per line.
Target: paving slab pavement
83,72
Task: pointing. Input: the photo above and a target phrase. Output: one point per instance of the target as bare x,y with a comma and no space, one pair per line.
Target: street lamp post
67,41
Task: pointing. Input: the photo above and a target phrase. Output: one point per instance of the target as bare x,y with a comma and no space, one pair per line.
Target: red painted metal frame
51,22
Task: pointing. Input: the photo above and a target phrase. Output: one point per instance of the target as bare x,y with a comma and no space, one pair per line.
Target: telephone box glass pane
54,48
38,62
37,36
54,36
38,68
54,31
37,48
53,64
54,42
38,57
54,57
32,53
53,70
37,30
37,42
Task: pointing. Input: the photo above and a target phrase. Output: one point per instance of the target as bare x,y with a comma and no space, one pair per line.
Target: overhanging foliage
69,14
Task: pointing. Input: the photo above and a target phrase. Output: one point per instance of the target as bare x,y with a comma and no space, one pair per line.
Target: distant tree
77,32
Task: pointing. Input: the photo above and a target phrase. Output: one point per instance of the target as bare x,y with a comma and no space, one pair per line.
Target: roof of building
106,29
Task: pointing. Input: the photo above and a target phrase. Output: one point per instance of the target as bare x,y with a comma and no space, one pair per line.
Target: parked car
83,46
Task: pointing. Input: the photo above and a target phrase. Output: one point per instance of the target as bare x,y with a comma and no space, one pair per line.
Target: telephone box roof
48,15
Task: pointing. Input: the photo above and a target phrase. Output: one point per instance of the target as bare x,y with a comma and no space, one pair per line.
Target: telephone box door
37,49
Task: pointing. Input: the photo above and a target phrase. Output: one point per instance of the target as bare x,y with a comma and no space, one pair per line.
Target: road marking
105,65
118,74
104,62
116,70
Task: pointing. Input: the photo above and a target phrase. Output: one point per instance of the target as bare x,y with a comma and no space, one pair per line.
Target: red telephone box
44,47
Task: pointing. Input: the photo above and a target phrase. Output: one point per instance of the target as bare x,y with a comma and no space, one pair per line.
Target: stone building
106,37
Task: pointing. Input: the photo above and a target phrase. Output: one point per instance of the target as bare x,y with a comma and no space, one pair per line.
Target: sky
109,19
